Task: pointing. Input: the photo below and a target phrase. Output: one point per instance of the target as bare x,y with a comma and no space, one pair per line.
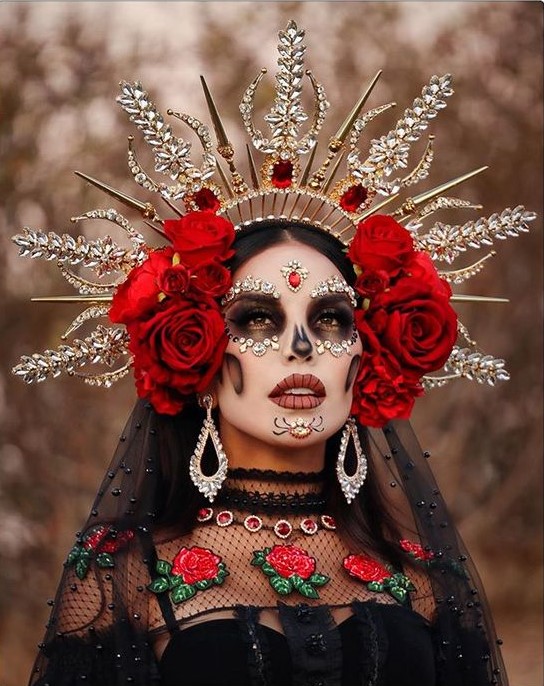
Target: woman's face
293,351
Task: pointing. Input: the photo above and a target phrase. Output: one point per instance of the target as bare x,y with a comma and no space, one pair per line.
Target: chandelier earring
351,484
208,485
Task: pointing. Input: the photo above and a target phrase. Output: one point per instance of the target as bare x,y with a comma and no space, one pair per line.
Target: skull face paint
292,382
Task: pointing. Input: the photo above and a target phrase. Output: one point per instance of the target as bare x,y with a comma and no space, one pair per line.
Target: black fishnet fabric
107,627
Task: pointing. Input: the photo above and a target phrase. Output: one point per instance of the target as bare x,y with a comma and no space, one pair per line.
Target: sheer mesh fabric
107,627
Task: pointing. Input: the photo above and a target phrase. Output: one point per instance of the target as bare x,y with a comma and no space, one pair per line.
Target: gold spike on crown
281,187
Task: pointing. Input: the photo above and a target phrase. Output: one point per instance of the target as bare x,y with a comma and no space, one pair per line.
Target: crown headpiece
285,184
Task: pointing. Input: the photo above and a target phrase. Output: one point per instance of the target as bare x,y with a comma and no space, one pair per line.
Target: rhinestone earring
351,485
208,485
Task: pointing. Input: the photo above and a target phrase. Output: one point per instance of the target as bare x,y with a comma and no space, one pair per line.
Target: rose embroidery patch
289,569
194,569
377,577
99,543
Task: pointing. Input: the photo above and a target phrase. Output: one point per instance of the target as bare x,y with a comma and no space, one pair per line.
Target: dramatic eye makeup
256,316
331,317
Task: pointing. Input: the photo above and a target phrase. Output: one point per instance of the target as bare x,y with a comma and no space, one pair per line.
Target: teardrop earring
351,485
208,485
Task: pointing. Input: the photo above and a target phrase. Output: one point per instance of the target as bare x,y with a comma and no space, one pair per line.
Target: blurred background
61,63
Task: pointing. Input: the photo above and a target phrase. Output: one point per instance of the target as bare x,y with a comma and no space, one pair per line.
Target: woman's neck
247,452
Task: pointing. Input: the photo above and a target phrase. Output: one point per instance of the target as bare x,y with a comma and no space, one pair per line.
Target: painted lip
299,392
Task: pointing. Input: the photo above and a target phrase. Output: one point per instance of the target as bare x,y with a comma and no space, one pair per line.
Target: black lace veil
98,632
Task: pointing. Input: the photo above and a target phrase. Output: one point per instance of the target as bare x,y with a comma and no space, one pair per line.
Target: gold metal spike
336,142
352,116
309,164
100,298
155,228
224,146
332,174
411,204
477,298
252,168
146,208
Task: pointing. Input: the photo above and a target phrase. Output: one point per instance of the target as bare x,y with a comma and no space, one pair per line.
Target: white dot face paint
294,394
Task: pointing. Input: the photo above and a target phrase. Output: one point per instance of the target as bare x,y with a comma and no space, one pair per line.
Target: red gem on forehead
294,279
282,174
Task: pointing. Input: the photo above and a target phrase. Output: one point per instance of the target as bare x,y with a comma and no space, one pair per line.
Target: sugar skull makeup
277,384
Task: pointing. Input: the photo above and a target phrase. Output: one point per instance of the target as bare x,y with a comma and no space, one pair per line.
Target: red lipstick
298,392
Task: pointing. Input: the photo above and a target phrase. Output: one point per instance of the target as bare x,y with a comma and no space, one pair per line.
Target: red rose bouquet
407,325
170,306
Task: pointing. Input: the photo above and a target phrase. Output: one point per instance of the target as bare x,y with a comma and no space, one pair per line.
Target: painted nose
301,347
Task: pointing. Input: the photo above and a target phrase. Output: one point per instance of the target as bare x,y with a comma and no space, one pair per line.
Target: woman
267,505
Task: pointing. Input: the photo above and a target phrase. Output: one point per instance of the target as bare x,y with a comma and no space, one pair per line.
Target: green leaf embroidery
297,581
307,590
258,558
204,584
375,586
182,592
268,569
159,585
82,567
104,560
73,555
163,567
281,585
398,593
319,579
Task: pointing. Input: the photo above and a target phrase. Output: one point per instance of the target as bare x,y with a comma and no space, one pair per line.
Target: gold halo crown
281,187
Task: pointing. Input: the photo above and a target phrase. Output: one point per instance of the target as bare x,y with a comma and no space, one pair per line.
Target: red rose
196,564
137,295
93,539
421,267
417,325
288,560
369,283
416,550
380,243
177,351
116,543
200,236
382,392
210,278
365,568
174,280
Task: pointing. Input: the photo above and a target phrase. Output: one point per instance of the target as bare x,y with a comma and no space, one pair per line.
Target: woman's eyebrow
331,299
255,299
252,286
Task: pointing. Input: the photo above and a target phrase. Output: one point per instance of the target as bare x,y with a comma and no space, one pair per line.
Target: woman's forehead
277,263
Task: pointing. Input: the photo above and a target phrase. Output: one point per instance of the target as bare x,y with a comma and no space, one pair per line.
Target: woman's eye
331,320
254,319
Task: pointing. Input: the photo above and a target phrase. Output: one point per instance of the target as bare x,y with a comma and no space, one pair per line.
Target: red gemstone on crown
328,522
253,523
353,198
294,279
309,526
224,518
206,200
282,174
204,514
282,528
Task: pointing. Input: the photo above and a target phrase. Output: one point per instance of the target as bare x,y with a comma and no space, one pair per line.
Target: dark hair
366,524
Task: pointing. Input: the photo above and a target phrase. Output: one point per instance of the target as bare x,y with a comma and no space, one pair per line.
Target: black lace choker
269,475
256,498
